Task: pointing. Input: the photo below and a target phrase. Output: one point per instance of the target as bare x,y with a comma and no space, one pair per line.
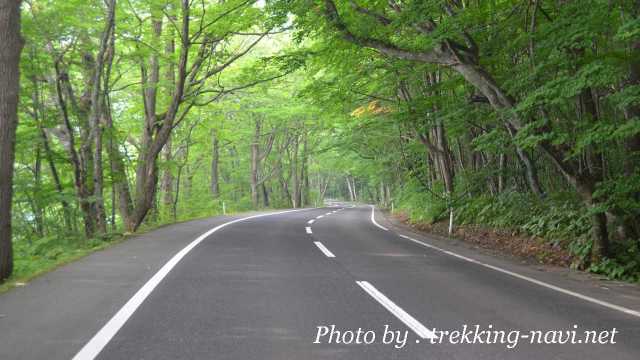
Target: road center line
324,250
373,219
311,221
91,349
526,278
308,230
319,216
329,213
396,310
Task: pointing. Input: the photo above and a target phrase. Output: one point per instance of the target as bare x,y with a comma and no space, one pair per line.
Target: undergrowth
559,220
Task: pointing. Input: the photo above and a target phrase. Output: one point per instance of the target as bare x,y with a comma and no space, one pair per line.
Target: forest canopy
520,115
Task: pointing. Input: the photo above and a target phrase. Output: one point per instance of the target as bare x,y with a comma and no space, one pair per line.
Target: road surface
308,284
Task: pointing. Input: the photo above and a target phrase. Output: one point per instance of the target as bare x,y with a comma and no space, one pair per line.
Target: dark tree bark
10,50
265,195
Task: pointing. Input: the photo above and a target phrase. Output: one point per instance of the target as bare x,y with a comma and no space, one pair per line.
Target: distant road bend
294,284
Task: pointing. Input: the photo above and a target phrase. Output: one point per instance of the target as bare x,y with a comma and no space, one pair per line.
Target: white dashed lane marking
397,311
324,250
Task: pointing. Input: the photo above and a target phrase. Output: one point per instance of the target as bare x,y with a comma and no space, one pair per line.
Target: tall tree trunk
304,198
12,44
283,181
120,183
255,154
147,168
215,163
118,174
353,188
66,208
67,137
501,166
265,195
295,176
170,79
37,206
166,183
96,115
352,196
440,151
98,182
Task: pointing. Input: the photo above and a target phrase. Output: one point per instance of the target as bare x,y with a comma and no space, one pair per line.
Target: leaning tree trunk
583,183
499,100
9,91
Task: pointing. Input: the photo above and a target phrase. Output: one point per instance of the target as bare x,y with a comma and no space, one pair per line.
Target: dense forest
119,115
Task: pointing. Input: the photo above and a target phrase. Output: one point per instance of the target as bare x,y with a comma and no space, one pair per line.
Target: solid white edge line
308,230
324,250
531,280
92,348
311,221
373,219
397,311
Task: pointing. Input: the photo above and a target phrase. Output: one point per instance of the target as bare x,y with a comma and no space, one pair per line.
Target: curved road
268,287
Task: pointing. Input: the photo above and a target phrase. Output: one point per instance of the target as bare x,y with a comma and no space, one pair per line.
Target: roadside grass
37,257
29,264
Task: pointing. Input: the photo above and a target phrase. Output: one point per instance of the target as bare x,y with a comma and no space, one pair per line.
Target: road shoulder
616,292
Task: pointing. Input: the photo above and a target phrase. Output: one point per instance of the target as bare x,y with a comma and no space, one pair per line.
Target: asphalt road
273,287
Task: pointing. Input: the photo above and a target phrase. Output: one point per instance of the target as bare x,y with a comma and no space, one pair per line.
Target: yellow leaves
373,108
358,112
